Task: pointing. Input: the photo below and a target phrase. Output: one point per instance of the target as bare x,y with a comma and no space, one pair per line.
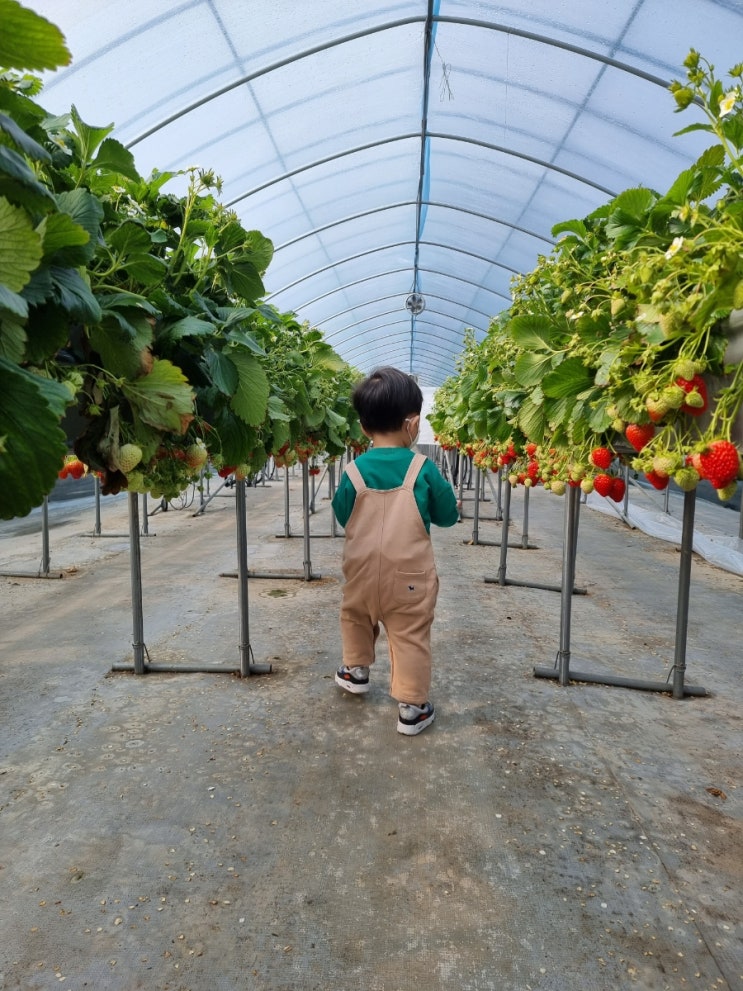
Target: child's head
385,398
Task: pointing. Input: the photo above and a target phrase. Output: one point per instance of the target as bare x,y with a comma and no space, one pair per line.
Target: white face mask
413,439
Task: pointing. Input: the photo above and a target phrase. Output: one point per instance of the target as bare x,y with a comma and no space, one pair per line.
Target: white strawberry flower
675,246
727,102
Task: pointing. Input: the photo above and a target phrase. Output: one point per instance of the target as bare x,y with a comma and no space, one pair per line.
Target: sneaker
413,719
354,680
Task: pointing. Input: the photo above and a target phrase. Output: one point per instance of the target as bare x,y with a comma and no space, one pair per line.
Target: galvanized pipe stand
308,507
138,645
504,545
246,667
523,544
135,568
307,574
561,670
43,571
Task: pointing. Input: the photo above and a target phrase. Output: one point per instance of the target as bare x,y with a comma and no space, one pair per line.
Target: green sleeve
343,500
442,502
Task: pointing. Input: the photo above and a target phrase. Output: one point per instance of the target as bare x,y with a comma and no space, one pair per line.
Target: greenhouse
221,223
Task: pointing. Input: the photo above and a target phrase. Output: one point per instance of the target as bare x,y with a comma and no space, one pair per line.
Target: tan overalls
391,578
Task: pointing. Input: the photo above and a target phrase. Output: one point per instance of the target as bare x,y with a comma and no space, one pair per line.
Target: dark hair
384,398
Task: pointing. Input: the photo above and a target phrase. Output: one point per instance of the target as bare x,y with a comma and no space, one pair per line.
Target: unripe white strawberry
129,457
196,454
558,486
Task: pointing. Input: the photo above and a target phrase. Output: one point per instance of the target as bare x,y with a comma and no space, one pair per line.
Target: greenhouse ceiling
408,158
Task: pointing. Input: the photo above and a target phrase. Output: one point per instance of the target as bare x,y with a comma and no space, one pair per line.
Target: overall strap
413,470
354,476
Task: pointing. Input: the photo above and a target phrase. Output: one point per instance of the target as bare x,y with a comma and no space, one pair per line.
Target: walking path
193,832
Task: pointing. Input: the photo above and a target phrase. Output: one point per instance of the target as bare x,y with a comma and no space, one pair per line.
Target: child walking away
387,500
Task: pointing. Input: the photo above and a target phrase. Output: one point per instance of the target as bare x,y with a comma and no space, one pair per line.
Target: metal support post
97,527
682,606
501,578
135,565
561,669
45,557
307,563
43,571
246,668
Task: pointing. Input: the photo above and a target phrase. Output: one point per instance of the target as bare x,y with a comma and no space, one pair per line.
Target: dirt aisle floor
202,832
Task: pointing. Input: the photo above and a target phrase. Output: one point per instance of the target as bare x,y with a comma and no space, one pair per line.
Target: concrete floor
195,832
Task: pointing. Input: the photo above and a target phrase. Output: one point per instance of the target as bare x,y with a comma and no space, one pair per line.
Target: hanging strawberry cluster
623,338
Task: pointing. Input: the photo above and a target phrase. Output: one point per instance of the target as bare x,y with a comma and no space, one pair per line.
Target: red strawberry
601,457
602,484
531,449
696,390
75,468
656,480
639,434
718,463
617,489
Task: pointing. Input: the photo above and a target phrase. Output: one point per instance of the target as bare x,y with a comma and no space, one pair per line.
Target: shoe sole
413,729
349,686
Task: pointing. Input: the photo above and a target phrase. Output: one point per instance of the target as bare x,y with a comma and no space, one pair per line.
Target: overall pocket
410,586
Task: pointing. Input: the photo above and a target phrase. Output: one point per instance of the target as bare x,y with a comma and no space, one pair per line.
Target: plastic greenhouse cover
415,146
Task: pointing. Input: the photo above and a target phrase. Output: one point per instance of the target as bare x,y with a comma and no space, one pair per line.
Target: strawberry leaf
250,400
34,443
162,398
29,41
20,247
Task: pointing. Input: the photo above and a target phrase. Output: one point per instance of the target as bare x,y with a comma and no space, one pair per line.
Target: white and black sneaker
413,719
354,680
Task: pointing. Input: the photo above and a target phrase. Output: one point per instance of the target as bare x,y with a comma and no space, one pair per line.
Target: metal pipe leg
135,565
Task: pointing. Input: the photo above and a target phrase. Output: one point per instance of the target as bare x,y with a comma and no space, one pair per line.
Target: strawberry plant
618,340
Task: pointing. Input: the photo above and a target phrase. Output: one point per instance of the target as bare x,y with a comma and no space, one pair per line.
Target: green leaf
29,41
85,209
576,227
19,184
568,379
74,294
531,367
90,137
47,330
35,444
63,239
187,327
250,400
113,156
261,249
121,338
20,247
634,203
237,439
277,409
531,421
606,360
162,398
314,417
221,371
531,332
13,303
12,335
32,149
129,239
239,336
281,432
147,269
738,296
244,280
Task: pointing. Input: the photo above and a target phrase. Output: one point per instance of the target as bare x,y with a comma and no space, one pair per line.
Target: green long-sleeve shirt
385,468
